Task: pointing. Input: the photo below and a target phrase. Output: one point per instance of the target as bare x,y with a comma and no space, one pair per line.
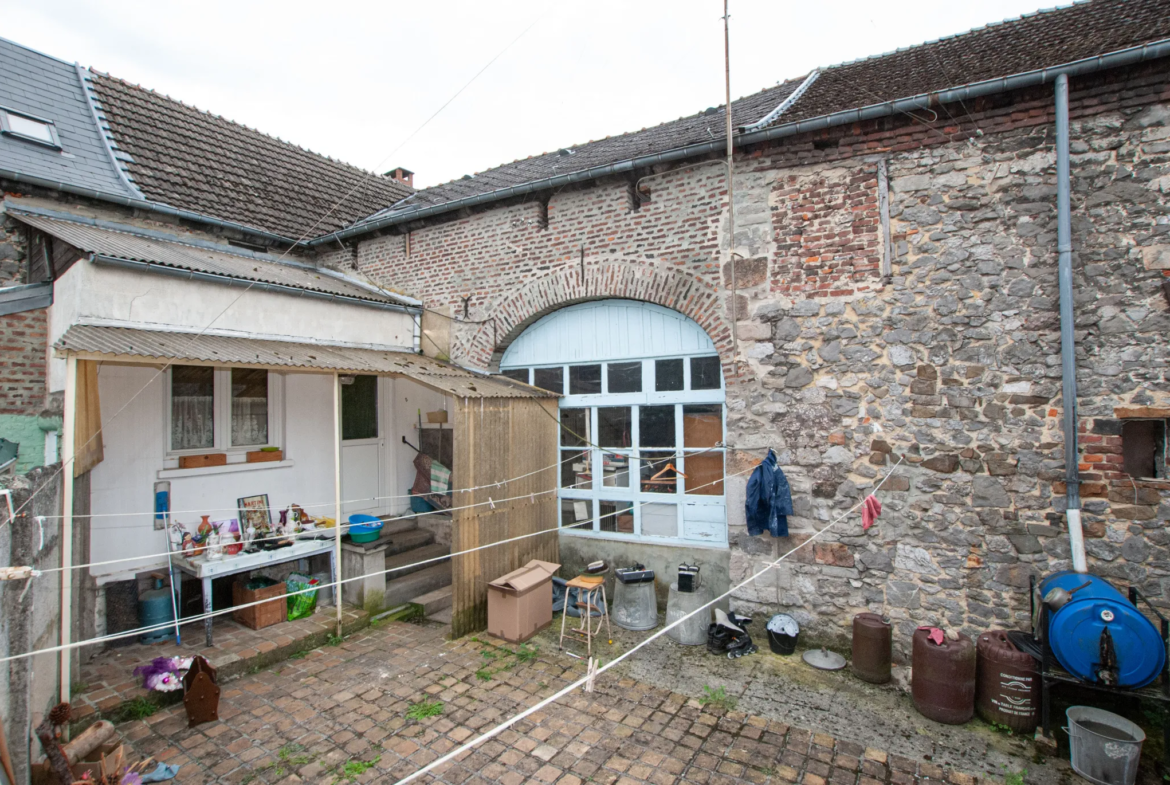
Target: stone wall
947,368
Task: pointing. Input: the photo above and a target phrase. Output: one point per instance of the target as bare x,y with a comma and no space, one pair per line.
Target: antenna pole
733,308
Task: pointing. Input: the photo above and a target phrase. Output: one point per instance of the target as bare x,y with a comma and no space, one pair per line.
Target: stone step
434,601
416,584
423,553
444,616
395,524
408,541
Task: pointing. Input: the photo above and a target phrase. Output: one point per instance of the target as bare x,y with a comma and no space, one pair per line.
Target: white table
203,569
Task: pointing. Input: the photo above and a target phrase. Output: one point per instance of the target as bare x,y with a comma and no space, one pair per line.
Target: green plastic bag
301,605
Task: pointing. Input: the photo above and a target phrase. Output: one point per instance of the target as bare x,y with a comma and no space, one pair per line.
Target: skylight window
28,127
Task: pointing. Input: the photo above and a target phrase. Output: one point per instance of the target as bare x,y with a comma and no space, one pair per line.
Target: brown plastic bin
263,615
520,602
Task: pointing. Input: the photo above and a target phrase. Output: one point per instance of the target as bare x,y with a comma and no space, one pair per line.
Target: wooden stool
589,588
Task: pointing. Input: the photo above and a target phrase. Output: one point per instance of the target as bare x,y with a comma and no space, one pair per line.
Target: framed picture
254,511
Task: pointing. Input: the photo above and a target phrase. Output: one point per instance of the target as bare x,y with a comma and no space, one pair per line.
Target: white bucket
1105,748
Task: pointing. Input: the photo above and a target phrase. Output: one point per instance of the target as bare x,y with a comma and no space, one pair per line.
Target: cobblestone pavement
341,714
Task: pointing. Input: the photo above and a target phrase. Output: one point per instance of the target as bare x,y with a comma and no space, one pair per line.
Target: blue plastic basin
364,528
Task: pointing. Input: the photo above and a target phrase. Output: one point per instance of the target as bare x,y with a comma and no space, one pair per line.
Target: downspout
1068,348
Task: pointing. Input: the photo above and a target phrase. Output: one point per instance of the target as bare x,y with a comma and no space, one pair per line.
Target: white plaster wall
135,450
99,294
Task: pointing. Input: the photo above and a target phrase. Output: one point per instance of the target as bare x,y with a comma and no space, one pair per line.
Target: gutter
26,297
142,204
1122,57
193,275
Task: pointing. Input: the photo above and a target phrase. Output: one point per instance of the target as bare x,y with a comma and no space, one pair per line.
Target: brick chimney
404,176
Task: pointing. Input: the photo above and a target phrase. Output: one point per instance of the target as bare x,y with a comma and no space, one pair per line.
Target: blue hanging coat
769,499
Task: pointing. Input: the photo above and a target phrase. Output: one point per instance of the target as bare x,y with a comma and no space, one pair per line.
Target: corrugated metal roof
231,350
124,244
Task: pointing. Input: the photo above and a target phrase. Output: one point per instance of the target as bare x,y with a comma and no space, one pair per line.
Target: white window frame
222,409
695,512
6,128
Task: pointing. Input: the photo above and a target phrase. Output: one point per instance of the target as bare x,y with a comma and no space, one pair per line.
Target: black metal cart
1052,674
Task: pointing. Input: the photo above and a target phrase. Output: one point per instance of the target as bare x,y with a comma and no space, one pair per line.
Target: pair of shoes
728,636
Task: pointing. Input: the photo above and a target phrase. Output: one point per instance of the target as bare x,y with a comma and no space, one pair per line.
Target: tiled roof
197,161
51,89
701,127
1039,40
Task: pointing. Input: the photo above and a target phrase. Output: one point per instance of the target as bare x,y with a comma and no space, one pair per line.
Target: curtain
249,421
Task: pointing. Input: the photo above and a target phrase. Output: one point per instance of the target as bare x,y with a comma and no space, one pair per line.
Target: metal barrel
943,680
872,643
1007,689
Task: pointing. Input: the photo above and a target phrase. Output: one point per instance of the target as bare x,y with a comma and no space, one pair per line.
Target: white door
362,443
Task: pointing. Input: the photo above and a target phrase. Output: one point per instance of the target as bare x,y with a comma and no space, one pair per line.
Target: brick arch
678,290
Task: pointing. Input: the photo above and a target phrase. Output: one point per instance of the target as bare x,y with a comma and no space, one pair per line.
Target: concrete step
443,616
431,551
392,526
408,541
434,601
416,584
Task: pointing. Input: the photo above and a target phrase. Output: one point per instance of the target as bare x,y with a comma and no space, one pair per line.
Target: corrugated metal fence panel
497,439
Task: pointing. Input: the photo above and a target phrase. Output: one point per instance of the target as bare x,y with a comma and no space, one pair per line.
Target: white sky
354,79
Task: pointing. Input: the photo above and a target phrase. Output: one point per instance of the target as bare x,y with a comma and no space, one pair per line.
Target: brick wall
23,363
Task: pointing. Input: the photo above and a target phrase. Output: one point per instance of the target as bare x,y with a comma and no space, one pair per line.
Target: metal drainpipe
1068,348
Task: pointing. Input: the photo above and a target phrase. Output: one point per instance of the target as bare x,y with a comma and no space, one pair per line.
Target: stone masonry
942,352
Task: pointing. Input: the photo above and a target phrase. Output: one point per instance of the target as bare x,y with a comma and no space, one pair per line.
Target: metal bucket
1105,748
635,607
693,631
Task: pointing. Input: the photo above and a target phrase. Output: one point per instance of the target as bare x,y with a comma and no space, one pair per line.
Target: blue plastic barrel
1075,631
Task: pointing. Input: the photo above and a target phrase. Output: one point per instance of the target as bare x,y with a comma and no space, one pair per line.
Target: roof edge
1121,57
103,130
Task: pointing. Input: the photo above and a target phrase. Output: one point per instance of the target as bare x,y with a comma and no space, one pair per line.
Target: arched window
642,420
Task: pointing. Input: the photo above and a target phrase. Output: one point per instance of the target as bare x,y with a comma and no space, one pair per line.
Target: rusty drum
871,648
943,680
1007,690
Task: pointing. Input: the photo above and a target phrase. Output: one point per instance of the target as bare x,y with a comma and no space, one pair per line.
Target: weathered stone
785,330
1134,513
1132,495
945,463
988,492
1016,575
909,557
799,376
753,331
806,308
927,372
880,445
901,356
1025,544
897,483
1000,467
902,594
923,387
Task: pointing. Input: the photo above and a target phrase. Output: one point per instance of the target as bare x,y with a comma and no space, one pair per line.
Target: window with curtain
192,407
249,406
222,408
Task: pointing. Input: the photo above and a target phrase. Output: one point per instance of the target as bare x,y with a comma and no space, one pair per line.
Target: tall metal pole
730,188
337,496
68,437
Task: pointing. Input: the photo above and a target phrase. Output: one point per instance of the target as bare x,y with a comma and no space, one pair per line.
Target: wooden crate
263,456
200,461
263,615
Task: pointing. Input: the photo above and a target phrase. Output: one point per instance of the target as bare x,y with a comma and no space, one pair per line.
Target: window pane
658,472
656,425
625,377
668,375
584,379
192,407
576,471
517,374
31,128
359,407
575,427
704,474
705,373
702,425
249,406
551,379
615,470
577,514
660,520
617,517
614,424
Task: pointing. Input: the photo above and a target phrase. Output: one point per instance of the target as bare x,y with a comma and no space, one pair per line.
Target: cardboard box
520,602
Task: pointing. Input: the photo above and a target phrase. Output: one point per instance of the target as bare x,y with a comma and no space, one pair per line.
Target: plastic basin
364,528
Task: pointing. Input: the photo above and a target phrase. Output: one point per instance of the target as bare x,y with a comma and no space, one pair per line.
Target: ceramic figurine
214,546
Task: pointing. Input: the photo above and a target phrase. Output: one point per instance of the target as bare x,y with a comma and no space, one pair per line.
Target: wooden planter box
199,461
263,615
263,456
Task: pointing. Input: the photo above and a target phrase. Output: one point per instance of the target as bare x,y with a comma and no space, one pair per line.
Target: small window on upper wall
516,374
29,128
625,377
584,379
705,373
551,379
1143,447
668,375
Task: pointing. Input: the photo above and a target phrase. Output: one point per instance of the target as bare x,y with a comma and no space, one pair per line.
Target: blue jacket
769,500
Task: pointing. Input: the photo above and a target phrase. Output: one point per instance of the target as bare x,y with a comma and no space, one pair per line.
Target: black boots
728,636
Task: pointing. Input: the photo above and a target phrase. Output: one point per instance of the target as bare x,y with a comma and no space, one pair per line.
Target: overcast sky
353,80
